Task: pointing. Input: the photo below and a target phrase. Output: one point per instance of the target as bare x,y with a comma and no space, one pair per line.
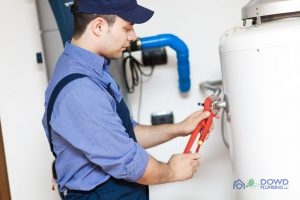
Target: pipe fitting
175,43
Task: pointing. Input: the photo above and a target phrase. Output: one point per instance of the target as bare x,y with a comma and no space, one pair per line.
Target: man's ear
98,25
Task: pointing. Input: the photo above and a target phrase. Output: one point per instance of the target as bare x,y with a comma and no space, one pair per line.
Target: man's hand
180,167
184,166
191,122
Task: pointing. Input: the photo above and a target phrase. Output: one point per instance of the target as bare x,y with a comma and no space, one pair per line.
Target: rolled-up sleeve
134,123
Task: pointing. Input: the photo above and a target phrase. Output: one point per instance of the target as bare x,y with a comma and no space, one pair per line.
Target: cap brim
138,15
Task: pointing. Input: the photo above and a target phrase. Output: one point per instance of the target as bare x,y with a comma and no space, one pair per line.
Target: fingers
204,115
217,116
194,156
195,164
200,115
195,161
194,171
191,122
185,166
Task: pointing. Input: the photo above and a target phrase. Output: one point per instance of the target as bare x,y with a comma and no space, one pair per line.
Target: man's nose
132,36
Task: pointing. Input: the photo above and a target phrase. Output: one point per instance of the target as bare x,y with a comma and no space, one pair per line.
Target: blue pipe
182,51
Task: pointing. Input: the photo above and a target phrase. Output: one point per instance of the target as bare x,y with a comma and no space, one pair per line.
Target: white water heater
261,80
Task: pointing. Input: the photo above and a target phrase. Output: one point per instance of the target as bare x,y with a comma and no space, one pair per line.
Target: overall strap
60,85
124,114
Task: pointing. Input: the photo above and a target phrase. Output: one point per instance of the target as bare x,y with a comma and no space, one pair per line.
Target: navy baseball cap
128,10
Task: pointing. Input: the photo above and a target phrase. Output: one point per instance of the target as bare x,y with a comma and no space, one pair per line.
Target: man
100,152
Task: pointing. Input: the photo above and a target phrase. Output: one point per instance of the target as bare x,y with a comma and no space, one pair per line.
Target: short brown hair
81,20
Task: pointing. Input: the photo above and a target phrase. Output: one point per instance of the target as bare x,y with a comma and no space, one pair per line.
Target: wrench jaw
215,108
213,104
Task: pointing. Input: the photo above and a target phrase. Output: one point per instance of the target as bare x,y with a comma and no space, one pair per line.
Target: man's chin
114,57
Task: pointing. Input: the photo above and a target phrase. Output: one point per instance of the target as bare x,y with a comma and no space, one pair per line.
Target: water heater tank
261,81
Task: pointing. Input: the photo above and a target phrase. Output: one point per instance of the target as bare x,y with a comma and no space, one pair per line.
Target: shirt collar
93,61
96,63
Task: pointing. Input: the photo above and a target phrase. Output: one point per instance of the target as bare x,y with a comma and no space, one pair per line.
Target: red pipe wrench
204,125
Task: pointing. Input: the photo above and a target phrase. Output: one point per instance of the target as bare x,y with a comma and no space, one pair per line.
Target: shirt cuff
136,169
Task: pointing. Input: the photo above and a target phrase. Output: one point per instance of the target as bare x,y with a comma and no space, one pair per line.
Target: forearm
156,173
180,167
149,136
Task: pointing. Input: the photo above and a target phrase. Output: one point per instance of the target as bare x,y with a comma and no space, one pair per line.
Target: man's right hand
180,167
184,166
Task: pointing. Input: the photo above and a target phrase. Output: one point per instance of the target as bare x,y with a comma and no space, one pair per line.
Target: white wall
199,23
22,85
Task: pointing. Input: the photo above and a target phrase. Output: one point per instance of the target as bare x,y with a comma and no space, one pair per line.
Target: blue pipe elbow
182,51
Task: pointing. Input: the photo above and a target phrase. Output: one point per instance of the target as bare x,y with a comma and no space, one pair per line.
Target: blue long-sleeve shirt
88,137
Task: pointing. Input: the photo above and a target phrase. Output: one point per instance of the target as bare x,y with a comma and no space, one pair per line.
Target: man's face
117,38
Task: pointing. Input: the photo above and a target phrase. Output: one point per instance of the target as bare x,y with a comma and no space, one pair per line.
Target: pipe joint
175,43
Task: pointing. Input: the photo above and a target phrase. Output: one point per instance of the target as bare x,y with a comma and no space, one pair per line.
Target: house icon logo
238,184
